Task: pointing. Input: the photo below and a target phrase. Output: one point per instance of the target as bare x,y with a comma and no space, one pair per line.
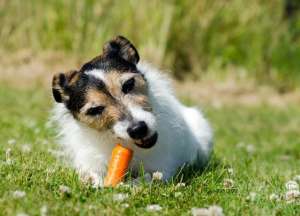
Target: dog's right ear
61,83
123,48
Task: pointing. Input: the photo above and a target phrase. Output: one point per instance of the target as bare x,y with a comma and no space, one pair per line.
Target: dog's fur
97,104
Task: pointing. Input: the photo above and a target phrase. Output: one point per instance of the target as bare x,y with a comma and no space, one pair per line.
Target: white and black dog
113,99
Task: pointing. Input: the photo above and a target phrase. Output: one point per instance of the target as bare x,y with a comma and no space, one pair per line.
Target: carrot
118,165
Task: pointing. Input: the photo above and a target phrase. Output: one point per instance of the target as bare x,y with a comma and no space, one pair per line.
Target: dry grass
191,37
27,69
232,92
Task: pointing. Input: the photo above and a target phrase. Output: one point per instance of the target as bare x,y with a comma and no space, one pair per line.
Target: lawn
257,150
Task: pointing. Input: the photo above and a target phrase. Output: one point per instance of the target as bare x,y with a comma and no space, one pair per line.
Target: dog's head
109,93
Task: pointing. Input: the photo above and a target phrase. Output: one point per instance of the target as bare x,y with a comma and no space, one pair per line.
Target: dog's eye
128,85
95,110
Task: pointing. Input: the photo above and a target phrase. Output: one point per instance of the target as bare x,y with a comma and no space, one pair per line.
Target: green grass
193,38
274,134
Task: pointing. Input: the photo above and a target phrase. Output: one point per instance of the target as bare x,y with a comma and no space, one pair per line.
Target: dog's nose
138,130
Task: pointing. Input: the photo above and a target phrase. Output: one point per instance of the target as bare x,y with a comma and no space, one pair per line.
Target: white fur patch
97,73
120,129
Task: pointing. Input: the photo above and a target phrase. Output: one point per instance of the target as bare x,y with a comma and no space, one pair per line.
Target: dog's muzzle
147,142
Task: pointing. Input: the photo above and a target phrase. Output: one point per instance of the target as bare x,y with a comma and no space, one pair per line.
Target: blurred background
226,46
238,60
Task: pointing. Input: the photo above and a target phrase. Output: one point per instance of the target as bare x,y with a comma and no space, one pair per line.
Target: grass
256,39
272,159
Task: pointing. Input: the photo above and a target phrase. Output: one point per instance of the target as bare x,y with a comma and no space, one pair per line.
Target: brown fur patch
114,100
137,96
110,114
72,76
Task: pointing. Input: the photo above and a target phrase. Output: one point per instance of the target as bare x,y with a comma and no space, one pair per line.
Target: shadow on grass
188,173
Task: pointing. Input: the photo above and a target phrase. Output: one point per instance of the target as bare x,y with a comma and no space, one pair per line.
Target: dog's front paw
93,178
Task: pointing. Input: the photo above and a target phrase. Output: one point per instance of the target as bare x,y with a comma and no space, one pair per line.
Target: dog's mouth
147,142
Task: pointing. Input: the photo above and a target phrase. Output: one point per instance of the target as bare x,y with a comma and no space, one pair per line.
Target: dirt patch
231,92
26,69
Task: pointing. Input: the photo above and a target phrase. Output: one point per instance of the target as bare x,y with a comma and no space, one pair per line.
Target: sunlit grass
260,144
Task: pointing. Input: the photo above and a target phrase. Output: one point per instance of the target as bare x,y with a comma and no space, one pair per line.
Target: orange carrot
118,165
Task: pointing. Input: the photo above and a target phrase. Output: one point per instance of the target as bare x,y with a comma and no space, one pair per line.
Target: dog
114,98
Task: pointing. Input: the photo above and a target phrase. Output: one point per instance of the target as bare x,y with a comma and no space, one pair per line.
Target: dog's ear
122,47
60,84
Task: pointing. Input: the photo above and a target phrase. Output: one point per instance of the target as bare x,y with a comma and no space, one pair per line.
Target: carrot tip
118,165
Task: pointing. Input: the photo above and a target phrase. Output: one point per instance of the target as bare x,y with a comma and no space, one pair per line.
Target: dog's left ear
123,48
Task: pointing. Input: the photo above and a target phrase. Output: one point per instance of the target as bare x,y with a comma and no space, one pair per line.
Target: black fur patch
77,91
57,95
109,63
62,80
